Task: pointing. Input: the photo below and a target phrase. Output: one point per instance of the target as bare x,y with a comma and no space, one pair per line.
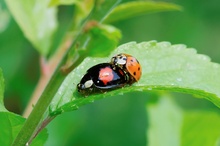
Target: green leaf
2,88
199,125
11,124
4,17
41,138
170,125
137,8
103,8
81,11
165,67
109,37
165,122
36,20
62,2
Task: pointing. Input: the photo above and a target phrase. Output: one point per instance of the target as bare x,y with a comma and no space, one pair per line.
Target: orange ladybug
129,64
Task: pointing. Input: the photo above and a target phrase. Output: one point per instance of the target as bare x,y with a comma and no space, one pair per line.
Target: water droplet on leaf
179,79
120,93
179,47
139,89
204,57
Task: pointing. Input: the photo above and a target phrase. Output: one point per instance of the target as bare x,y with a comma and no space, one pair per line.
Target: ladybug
129,64
102,77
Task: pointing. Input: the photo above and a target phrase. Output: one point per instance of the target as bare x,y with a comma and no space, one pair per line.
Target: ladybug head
119,59
85,86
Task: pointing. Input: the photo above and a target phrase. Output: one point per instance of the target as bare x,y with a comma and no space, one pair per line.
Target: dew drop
179,79
179,47
191,50
215,65
60,92
189,66
149,88
204,57
91,101
139,89
164,44
73,99
73,106
82,67
111,94
172,84
120,93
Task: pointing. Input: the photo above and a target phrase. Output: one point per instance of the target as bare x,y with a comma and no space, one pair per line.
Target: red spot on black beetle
106,75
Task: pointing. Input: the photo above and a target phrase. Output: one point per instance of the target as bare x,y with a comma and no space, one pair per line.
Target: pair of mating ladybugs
123,70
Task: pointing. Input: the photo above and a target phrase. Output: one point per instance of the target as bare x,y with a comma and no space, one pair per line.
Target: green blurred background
120,120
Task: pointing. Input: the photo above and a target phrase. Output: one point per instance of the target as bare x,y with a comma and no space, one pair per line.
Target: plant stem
42,82
35,117
47,70
42,126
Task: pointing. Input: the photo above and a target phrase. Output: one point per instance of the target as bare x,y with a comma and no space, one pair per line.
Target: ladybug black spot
138,68
134,73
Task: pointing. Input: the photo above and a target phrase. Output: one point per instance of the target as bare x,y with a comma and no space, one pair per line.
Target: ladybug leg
103,91
87,92
90,89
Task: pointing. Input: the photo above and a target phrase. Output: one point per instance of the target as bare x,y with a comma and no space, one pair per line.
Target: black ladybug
102,77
